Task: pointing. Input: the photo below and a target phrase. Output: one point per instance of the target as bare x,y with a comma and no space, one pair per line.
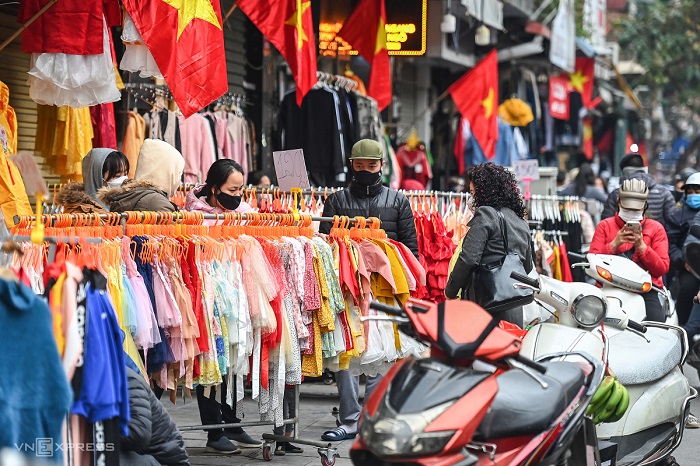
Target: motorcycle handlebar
636,326
385,308
576,256
533,282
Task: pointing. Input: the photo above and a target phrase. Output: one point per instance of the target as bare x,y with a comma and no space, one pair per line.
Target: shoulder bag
493,288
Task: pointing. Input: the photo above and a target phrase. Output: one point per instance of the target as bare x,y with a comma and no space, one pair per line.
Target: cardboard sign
290,169
34,182
527,170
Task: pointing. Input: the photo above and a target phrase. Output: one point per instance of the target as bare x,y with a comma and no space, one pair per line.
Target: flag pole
230,11
27,24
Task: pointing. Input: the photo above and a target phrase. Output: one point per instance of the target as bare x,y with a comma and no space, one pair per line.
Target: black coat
152,433
390,206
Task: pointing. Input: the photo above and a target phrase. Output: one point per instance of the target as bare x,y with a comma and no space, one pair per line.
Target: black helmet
683,174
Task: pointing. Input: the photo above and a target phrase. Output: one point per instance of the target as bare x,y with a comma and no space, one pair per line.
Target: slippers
337,435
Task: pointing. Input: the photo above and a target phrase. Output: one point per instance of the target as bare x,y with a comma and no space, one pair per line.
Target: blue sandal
338,435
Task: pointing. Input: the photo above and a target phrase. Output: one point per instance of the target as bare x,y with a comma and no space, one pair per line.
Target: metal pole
27,24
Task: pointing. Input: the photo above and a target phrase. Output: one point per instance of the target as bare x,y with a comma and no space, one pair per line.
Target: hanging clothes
414,164
13,196
133,140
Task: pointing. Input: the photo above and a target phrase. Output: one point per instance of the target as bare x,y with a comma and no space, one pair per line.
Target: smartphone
633,226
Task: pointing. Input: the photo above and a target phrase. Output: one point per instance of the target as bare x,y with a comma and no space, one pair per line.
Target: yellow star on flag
577,81
189,10
488,103
381,36
297,21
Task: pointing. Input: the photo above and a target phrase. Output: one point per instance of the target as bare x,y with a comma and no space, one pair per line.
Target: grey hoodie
93,164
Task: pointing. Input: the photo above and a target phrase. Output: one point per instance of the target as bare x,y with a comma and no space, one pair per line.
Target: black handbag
492,286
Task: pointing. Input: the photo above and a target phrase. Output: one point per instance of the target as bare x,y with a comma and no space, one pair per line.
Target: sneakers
691,422
242,439
222,446
285,447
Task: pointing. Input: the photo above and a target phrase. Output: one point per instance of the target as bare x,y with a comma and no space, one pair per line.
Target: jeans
349,391
688,286
692,327
213,412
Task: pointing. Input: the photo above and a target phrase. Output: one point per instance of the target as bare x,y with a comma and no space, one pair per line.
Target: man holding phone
643,240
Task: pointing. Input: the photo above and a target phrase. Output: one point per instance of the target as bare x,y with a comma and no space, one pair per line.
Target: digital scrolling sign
406,22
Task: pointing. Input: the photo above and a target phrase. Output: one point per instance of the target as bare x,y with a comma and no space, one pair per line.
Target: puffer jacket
661,202
138,195
683,217
483,244
73,199
152,433
390,206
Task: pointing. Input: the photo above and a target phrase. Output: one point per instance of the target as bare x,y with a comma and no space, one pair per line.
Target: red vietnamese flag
186,40
365,30
288,25
476,96
581,80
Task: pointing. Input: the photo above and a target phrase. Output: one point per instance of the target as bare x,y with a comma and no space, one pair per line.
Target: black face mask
365,178
228,201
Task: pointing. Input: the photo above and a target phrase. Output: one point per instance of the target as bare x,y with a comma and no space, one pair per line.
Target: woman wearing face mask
158,174
221,192
101,167
493,190
641,239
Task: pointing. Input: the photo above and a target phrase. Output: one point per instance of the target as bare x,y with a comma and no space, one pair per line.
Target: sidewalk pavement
315,408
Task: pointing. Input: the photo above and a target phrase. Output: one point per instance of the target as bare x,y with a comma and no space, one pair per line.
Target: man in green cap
366,196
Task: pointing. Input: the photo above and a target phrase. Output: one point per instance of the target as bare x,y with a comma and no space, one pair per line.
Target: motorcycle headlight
588,311
392,434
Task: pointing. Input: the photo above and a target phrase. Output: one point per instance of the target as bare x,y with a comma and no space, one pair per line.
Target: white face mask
631,215
116,182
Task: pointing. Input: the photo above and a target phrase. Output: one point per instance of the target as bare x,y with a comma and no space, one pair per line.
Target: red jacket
655,259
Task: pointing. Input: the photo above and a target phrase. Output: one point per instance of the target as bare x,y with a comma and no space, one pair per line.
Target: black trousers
688,286
214,412
655,311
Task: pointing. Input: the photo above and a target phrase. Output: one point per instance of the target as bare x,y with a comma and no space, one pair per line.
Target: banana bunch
610,401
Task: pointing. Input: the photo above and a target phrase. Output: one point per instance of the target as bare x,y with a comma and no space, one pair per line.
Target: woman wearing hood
158,174
101,166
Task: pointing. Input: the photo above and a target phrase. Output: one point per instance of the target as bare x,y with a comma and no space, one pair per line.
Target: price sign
290,169
34,182
527,170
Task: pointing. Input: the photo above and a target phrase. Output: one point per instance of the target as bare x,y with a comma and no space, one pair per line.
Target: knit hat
368,149
633,194
161,164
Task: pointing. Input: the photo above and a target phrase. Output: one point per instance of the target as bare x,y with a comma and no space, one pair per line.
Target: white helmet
693,179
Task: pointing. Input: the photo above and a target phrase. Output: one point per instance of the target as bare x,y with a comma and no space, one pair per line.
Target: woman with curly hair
493,189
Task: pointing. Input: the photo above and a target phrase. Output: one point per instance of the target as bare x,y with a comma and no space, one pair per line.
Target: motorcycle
622,279
646,359
477,400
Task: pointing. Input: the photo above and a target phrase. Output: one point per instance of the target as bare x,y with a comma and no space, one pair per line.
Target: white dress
137,58
74,80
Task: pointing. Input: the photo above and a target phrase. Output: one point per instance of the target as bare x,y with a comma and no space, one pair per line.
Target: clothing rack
336,80
54,241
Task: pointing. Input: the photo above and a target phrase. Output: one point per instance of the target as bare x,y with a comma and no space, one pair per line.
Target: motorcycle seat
523,407
636,361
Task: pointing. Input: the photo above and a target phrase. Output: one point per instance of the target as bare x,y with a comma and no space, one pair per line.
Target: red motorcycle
476,400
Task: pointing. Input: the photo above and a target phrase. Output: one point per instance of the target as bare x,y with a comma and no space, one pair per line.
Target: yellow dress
63,137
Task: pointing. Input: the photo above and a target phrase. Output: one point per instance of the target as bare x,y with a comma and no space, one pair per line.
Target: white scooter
623,280
647,360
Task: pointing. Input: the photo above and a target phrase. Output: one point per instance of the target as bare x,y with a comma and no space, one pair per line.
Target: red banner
559,97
